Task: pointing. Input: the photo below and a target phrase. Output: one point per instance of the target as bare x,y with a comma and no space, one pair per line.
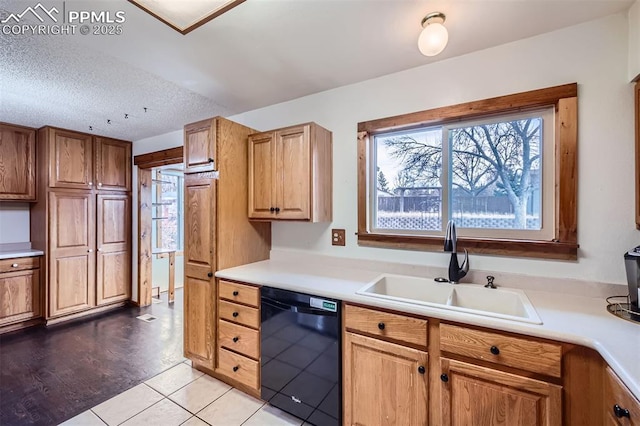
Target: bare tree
503,154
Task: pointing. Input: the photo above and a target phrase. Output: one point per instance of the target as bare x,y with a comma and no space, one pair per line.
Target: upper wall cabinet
290,174
113,164
200,146
81,161
17,163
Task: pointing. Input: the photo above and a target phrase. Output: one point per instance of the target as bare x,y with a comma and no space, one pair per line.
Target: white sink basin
408,289
470,298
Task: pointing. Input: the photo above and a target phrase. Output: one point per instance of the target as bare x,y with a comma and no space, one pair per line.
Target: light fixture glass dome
434,36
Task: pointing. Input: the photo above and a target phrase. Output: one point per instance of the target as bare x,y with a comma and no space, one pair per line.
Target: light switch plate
337,237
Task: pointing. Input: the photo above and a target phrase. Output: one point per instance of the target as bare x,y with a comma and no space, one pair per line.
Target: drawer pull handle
421,369
235,368
621,412
494,350
235,314
210,160
277,209
235,339
235,293
381,325
14,265
272,209
444,377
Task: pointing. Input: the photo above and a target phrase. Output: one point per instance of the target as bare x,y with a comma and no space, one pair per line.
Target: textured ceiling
260,53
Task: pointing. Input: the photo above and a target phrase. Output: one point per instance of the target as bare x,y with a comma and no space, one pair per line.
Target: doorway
151,166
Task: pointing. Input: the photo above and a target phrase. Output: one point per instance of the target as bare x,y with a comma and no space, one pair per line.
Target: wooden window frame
564,246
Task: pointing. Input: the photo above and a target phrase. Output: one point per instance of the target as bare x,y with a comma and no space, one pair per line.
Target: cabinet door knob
272,209
235,314
235,339
381,325
236,368
14,265
235,293
621,412
494,350
90,251
99,250
421,369
444,377
210,274
277,209
99,183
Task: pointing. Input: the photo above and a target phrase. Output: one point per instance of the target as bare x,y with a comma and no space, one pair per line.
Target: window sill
512,248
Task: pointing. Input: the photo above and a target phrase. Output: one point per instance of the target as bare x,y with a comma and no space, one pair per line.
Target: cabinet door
200,146
113,260
71,160
199,257
17,163
384,383
19,296
292,170
113,164
620,406
71,256
261,179
486,397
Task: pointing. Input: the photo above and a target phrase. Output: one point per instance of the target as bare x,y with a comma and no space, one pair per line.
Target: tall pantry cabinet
218,234
82,221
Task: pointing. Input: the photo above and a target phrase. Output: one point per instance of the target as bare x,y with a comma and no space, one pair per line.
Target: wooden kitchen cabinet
385,368
290,174
476,395
239,334
81,161
83,222
113,251
217,235
17,163
19,290
112,164
384,383
621,408
71,252
200,146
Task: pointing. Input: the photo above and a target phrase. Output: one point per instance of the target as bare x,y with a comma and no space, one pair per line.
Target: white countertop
9,254
567,318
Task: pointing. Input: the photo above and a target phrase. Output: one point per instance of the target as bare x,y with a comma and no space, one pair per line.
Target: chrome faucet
456,273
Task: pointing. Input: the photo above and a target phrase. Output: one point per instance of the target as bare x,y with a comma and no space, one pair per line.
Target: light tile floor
183,396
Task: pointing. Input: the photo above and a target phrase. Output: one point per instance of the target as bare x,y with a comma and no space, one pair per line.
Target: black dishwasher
301,369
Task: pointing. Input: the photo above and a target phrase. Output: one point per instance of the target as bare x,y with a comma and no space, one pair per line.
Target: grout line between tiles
164,397
96,414
203,408
254,413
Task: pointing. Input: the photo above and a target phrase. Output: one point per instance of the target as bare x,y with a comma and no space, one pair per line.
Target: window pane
496,175
168,209
408,193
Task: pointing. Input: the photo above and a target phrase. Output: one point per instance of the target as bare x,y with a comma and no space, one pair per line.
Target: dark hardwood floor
50,374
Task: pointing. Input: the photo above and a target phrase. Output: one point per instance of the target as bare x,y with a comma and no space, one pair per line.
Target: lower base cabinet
385,383
476,395
19,290
620,406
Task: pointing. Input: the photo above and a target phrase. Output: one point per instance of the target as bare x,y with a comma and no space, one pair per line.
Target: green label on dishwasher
326,305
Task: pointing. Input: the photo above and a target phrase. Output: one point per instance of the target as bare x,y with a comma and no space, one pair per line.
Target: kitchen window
503,169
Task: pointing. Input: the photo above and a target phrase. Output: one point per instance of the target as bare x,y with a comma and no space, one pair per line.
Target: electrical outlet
337,237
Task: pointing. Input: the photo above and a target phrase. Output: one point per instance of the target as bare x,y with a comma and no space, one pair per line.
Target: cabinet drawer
240,339
616,393
240,293
239,314
239,368
526,354
19,296
19,264
392,326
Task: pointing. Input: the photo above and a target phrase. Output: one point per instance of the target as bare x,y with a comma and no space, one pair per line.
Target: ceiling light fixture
186,16
434,36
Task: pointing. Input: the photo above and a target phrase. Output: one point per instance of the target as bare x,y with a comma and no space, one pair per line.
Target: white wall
594,54
634,41
14,223
143,146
